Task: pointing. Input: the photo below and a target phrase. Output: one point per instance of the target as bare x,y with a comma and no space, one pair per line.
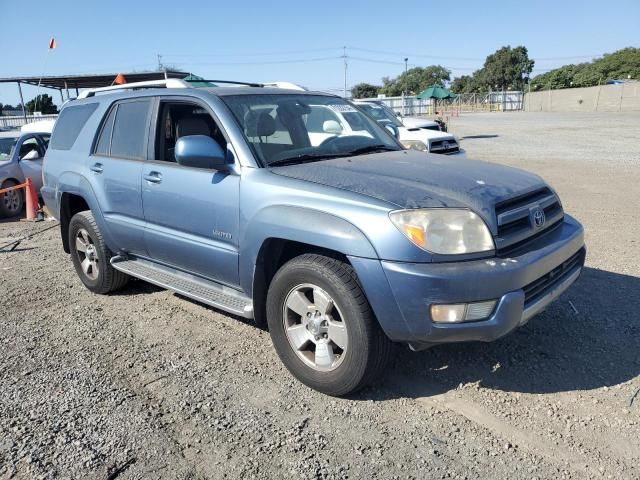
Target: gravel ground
145,384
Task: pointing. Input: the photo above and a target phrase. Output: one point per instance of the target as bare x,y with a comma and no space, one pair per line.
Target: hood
424,134
417,122
412,179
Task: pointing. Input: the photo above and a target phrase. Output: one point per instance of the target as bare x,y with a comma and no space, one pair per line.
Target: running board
205,291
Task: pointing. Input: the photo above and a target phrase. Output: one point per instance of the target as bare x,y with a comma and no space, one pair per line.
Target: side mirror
393,129
32,155
399,114
331,126
200,151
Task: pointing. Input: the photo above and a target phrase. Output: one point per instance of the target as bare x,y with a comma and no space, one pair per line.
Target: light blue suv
341,243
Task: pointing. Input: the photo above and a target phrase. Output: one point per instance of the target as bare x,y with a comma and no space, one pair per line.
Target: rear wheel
322,326
11,202
91,256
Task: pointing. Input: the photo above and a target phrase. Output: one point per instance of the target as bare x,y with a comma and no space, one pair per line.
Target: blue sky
301,41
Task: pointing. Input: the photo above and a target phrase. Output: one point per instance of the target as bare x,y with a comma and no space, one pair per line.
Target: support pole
66,87
24,111
61,96
344,56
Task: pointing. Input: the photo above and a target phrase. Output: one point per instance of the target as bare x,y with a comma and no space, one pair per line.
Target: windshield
6,146
291,128
378,112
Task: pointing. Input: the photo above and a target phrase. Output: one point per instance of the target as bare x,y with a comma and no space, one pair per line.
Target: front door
191,214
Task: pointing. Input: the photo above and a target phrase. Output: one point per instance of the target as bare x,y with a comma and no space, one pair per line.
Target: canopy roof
92,81
436,92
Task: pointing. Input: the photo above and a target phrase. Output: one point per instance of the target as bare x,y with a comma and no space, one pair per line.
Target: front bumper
523,286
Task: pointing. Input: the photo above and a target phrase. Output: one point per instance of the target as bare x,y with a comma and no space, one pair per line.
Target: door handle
96,167
153,177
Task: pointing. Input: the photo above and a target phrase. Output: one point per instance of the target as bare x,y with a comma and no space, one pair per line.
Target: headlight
415,145
445,231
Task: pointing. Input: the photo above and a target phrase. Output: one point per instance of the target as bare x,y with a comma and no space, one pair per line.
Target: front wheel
322,326
11,202
91,255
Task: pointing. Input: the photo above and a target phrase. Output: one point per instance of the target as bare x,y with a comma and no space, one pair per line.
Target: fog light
448,313
462,312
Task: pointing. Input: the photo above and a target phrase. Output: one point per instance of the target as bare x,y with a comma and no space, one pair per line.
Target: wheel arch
279,233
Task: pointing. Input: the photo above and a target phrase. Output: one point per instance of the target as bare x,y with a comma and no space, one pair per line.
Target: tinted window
69,124
130,130
104,142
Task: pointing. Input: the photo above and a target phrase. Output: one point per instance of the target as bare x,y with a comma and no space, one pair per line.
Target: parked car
416,138
341,243
21,156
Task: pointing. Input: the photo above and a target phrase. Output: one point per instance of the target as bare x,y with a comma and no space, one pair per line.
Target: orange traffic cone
32,201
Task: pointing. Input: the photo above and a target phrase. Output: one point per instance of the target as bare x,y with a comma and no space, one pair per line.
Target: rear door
116,168
191,214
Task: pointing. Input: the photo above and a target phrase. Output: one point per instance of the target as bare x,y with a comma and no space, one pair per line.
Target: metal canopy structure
66,82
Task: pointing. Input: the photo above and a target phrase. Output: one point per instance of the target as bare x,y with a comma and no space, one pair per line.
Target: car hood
417,122
412,179
424,134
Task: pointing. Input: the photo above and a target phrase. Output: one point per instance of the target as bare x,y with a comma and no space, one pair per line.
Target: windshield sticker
342,108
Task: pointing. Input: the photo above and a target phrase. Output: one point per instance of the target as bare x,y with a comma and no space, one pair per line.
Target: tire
332,343
91,256
11,203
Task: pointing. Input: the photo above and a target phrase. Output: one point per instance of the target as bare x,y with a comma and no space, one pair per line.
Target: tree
621,64
507,68
415,80
44,105
467,84
364,90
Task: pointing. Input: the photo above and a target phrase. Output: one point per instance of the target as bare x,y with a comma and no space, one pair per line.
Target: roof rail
287,85
232,82
166,83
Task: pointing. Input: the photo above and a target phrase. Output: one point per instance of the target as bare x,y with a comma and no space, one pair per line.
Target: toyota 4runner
341,242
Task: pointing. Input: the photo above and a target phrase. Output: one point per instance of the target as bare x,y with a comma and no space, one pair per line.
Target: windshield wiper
306,158
372,149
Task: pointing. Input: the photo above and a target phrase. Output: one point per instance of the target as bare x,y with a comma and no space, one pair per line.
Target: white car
424,135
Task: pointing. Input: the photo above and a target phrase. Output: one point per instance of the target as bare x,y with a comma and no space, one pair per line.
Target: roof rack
231,82
180,83
167,83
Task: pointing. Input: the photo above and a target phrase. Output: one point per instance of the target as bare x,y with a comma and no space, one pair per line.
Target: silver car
21,155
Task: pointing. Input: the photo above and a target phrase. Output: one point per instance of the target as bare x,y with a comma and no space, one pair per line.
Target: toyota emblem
539,218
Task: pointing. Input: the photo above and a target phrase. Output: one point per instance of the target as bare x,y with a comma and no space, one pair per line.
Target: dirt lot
144,384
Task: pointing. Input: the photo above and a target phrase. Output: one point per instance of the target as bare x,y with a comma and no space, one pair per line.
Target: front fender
304,225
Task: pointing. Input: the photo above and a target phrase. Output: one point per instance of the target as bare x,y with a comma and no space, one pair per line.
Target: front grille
515,218
539,287
444,146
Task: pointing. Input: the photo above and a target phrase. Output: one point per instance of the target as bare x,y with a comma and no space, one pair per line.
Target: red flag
120,80
52,43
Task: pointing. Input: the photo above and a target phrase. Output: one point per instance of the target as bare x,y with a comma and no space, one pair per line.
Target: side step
205,291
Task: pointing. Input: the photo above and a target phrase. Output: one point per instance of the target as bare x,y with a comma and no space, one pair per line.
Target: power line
253,54
273,62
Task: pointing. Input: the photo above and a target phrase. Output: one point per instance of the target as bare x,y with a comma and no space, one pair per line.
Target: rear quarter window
69,124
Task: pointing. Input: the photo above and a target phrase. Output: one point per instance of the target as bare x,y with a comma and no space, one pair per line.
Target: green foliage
415,80
507,68
364,90
467,84
44,105
618,65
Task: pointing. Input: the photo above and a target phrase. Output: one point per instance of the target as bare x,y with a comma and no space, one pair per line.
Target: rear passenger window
128,139
103,146
69,124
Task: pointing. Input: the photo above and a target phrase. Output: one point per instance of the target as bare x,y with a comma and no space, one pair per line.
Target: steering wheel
340,144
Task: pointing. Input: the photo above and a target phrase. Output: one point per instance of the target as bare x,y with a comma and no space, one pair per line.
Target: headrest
259,124
192,126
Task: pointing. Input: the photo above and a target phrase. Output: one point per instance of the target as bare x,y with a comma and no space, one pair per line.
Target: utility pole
344,56
404,92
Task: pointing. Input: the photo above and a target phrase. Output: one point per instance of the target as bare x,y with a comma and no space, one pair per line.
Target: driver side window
180,119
